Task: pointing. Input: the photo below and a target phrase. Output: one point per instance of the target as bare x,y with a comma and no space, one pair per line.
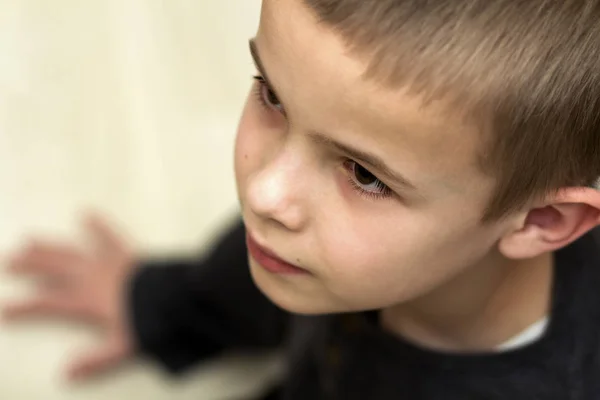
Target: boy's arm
182,311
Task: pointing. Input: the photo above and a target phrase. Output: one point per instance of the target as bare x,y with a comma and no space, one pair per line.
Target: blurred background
128,107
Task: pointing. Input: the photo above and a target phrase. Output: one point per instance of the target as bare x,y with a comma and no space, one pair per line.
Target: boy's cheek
247,143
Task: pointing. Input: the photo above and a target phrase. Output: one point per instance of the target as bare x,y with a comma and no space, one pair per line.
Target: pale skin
413,248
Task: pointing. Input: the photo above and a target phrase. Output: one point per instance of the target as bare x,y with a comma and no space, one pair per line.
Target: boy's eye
361,179
267,96
271,98
364,182
363,176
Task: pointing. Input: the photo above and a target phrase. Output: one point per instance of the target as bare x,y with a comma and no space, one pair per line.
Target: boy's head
394,148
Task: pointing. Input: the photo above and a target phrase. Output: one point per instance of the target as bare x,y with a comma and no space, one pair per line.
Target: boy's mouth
269,260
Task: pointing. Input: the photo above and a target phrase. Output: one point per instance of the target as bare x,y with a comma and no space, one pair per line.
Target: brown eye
364,182
363,176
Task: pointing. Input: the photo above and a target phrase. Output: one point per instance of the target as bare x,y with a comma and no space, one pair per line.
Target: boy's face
369,234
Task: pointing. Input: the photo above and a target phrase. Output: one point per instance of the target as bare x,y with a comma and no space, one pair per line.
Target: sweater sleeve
183,311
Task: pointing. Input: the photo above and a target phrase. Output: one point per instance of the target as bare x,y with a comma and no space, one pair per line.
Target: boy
416,186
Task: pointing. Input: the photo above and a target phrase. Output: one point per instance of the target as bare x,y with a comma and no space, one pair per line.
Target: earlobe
567,216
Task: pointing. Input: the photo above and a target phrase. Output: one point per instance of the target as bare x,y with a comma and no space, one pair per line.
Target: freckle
297,260
245,156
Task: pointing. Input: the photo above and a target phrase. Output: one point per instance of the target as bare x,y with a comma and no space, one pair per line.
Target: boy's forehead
313,70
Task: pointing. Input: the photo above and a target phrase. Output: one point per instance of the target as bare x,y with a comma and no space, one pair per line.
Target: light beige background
129,107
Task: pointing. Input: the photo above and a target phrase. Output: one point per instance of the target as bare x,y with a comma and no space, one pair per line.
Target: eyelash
259,93
383,191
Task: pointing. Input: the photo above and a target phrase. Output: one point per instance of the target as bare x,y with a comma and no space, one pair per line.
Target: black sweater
185,311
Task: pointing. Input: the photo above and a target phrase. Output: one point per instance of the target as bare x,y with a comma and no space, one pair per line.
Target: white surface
130,107
532,334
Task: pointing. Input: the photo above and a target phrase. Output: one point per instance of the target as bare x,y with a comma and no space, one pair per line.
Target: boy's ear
565,217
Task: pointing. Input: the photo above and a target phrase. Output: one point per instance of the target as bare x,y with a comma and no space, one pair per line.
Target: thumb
97,361
104,238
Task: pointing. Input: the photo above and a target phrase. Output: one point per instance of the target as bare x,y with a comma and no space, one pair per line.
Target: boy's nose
276,193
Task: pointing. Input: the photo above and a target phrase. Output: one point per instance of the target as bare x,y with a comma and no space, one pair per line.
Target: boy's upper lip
269,251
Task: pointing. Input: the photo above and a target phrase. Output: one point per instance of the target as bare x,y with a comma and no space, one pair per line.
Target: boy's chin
288,295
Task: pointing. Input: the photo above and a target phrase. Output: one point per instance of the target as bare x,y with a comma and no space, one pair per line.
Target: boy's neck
478,311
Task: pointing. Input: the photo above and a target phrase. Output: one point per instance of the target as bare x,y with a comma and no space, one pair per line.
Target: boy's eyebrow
365,157
359,155
259,65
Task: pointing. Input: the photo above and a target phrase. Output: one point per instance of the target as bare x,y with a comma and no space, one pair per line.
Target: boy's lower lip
269,261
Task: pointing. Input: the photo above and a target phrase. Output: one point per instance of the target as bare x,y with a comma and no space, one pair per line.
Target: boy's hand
87,286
